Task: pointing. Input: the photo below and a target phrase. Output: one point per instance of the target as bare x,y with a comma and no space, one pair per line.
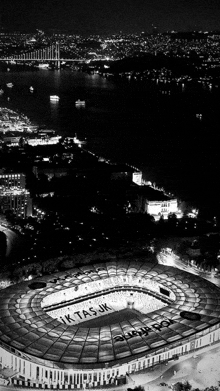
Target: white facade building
162,208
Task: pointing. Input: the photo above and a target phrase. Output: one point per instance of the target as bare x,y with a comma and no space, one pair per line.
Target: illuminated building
50,170
18,201
14,140
162,208
43,140
11,140
156,203
9,180
45,344
153,200
13,195
138,178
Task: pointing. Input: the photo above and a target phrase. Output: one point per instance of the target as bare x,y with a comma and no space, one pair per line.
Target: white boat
1,91
10,85
43,65
31,89
54,98
77,141
80,103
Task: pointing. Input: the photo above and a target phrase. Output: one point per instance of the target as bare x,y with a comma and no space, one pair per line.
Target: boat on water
43,65
9,85
1,91
77,141
31,89
80,103
54,98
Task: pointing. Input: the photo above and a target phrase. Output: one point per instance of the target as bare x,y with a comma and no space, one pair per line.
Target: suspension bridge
48,54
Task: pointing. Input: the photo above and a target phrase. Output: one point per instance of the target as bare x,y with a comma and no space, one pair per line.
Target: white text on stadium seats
82,315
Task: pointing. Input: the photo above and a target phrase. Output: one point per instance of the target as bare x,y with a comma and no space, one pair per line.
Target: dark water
132,122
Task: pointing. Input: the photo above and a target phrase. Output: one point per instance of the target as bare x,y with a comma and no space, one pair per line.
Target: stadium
94,325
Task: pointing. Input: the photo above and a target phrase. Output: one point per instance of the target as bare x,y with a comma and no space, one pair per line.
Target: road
175,261
201,370
11,238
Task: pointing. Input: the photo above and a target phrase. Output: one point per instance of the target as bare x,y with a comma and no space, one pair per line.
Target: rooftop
26,326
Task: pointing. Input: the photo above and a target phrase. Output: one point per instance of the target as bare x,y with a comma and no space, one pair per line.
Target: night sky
110,16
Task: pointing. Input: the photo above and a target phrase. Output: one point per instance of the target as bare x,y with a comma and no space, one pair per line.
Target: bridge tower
57,54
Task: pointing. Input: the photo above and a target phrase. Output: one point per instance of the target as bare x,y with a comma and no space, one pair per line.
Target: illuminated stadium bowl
93,324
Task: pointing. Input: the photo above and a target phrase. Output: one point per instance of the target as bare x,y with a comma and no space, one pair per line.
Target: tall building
13,194
9,180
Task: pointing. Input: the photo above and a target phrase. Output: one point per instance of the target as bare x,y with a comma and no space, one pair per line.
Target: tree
137,388
177,386
21,142
186,386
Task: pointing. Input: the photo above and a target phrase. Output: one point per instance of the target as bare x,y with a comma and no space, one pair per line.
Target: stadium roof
26,326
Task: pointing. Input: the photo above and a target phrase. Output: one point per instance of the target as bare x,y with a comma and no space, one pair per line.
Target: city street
11,237
173,260
201,370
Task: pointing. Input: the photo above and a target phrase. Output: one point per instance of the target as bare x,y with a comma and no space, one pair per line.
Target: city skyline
98,17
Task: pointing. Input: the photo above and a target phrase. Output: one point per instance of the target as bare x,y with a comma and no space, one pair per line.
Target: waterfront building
163,208
45,140
155,202
13,139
